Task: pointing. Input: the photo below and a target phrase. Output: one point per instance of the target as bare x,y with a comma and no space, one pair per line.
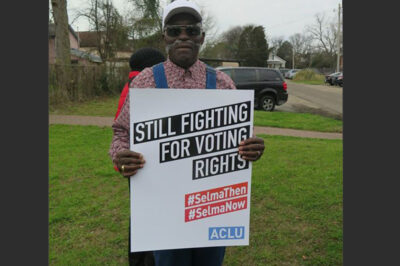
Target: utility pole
292,57
338,42
79,40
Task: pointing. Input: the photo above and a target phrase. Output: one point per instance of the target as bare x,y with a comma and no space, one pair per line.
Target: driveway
324,100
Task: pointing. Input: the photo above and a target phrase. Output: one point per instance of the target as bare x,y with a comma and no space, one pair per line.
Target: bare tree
300,42
62,44
324,33
209,23
145,21
146,17
105,20
276,42
302,45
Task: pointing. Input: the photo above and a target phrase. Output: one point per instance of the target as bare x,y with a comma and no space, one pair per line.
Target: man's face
183,48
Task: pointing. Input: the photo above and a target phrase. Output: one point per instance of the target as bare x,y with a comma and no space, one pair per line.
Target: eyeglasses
176,30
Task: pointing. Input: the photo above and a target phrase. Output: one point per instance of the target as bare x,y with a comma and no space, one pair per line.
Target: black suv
269,86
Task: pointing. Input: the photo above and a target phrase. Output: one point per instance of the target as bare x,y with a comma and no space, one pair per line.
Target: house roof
52,31
88,56
274,58
88,38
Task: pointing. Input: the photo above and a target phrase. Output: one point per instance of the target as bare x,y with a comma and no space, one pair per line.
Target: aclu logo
226,233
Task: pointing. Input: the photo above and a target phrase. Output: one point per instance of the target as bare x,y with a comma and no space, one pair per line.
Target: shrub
85,82
308,74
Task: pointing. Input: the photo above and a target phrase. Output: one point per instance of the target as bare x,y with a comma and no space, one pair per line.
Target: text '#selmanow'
218,208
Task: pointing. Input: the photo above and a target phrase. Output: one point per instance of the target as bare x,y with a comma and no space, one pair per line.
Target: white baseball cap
180,6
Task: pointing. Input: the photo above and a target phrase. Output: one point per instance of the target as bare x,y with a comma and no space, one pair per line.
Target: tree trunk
63,55
62,45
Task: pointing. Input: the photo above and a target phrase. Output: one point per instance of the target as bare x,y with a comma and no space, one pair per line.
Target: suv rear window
268,75
228,72
244,75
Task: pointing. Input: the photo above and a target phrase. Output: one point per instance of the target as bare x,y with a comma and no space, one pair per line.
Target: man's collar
196,65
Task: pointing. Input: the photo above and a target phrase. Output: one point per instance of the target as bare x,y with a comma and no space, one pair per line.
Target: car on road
291,73
270,88
338,80
284,71
330,78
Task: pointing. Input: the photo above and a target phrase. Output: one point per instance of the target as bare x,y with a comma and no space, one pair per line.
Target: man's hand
129,162
252,148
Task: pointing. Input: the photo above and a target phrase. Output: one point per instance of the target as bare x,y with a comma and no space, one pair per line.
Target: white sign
194,189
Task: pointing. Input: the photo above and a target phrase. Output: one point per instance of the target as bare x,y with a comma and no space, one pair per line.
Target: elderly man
183,36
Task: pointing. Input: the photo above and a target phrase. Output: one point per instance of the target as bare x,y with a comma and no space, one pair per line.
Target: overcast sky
279,17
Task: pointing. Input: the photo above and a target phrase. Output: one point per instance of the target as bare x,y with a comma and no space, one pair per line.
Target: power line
297,20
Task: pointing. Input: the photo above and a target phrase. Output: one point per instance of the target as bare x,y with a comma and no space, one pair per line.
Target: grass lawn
107,106
296,202
302,121
309,82
101,106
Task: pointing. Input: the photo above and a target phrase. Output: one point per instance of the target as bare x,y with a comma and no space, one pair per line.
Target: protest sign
194,189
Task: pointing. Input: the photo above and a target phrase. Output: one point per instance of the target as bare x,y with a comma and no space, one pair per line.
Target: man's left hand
252,148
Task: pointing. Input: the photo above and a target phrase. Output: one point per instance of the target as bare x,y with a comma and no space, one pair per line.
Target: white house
275,61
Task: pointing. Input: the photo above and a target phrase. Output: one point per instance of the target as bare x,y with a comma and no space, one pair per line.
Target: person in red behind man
142,58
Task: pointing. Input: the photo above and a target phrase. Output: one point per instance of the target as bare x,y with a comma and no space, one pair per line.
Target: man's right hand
131,162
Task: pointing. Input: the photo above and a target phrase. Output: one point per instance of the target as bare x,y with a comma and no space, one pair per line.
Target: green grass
296,202
107,106
101,106
88,202
310,82
302,121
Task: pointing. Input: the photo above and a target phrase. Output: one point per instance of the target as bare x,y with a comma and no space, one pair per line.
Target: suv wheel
267,103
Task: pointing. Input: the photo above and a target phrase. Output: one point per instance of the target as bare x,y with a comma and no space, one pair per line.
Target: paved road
319,99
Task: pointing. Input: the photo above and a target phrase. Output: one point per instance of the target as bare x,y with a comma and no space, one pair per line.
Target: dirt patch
300,108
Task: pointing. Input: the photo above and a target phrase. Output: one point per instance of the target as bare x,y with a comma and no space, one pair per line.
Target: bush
308,75
85,82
